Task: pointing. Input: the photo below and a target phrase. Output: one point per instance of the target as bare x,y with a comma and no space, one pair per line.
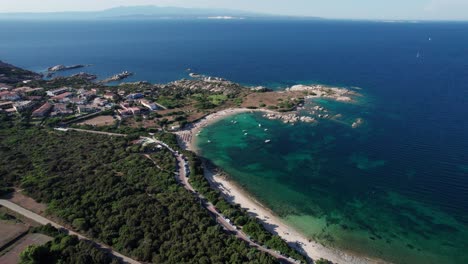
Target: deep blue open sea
395,188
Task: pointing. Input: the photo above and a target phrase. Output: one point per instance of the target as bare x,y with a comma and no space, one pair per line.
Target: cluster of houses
14,100
135,104
67,101
58,102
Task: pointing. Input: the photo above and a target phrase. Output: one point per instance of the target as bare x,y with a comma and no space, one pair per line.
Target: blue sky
355,9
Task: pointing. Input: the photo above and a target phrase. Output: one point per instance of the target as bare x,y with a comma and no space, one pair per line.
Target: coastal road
44,221
91,132
182,177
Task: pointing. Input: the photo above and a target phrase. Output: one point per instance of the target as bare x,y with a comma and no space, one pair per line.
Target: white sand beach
273,223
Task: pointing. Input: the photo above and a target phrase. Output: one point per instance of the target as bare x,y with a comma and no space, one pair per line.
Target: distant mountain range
145,12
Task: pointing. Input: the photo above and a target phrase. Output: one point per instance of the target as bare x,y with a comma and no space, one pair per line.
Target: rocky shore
290,118
314,91
118,77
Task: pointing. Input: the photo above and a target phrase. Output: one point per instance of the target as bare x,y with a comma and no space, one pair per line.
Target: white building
149,105
23,105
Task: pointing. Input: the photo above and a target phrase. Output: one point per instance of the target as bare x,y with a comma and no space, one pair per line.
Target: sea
394,188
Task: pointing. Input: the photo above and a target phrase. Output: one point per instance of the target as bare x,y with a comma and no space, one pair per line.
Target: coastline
237,195
187,137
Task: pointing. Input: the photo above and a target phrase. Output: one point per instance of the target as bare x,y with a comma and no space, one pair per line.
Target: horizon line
388,20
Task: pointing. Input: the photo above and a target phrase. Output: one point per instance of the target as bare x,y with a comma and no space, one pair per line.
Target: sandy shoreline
236,194
187,136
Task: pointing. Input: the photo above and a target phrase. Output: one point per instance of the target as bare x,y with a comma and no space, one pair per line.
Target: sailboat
418,55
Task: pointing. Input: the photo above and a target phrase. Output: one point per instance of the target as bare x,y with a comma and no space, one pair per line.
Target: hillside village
67,101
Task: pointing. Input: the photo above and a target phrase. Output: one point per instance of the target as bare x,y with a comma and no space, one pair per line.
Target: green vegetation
217,99
286,106
240,217
323,261
105,188
6,216
203,102
170,102
238,101
64,249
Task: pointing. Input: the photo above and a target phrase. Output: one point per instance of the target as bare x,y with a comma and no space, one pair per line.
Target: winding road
182,177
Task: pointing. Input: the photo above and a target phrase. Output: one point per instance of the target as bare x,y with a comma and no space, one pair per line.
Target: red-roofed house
62,97
43,110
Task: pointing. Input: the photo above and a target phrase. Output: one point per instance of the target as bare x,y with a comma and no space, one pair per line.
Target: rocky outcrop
260,89
206,78
118,77
359,122
61,67
339,94
289,118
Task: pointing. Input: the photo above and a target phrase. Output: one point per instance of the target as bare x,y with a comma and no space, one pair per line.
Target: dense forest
64,249
105,188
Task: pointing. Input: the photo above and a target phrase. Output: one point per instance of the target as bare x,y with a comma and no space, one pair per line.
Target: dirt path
45,221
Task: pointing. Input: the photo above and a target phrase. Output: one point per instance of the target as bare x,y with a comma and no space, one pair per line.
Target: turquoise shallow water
320,180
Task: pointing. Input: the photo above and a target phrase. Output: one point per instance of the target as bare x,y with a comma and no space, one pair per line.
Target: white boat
266,129
245,134
259,125
267,141
209,141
